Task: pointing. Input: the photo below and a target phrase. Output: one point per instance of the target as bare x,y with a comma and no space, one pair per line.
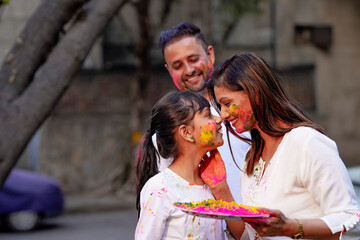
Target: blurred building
313,45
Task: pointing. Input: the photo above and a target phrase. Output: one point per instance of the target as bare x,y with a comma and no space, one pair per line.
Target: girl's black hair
171,111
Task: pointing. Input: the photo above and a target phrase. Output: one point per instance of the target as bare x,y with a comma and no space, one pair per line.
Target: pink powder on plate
221,208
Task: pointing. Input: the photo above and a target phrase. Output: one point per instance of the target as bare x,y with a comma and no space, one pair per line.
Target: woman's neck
271,144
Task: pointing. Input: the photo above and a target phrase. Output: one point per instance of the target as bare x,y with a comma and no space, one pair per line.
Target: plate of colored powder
212,208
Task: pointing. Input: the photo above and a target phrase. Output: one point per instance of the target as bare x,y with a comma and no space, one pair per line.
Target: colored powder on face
207,134
176,81
245,118
208,68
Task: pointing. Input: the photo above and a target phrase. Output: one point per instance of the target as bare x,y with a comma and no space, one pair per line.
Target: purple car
26,197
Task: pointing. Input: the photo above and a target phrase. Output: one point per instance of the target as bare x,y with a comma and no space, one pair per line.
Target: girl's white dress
159,219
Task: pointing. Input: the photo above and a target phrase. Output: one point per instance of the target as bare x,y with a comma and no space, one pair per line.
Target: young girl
186,130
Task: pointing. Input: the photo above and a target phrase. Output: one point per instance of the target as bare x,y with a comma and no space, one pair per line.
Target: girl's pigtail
146,165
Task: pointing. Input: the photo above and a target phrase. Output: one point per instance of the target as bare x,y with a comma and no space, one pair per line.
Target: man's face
189,65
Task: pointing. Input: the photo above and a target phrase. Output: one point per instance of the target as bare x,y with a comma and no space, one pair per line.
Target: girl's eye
227,104
194,59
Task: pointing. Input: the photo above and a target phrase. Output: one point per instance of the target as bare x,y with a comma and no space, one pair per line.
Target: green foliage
4,2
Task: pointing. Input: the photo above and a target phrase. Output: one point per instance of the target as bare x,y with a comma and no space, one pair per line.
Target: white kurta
159,219
305,179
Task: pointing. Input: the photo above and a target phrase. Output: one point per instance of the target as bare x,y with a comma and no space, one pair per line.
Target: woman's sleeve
327,179
155,209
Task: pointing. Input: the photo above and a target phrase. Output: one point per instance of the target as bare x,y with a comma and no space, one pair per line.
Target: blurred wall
337,72
85,144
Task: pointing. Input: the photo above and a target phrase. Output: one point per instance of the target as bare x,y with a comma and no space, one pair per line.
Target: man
189,60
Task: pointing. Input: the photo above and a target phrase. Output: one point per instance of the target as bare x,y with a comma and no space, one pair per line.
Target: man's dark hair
175,33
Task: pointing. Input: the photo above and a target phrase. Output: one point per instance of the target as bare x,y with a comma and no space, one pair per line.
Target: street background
84,135
101,218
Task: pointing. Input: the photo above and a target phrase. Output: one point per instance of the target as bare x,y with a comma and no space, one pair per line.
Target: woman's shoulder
308,136
303,131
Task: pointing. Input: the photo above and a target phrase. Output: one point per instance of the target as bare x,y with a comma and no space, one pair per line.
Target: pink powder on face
245,118
176,81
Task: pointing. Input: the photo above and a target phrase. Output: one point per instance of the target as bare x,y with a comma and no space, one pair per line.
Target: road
115,225
118,225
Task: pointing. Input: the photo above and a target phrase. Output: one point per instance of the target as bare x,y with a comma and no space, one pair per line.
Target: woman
291,165
186,130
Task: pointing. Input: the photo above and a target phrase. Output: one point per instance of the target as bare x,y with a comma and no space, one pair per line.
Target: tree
143,42
32,79
231,12
61,33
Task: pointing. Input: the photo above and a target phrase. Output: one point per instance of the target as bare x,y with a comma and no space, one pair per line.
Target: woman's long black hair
270,102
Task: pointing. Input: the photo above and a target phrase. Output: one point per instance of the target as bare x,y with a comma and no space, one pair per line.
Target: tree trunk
229,28
33,45
30,102
143,48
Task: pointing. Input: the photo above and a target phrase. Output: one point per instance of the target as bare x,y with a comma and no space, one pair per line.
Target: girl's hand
212,169
275,225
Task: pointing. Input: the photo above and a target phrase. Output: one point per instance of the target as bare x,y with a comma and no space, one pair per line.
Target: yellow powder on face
207,134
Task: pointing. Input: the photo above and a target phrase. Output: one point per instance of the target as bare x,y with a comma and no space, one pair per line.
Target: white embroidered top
305,179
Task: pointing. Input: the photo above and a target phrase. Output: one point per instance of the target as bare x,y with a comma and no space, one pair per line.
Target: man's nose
189,69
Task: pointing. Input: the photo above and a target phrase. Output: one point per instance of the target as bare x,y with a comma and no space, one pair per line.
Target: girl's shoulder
156,182
162,179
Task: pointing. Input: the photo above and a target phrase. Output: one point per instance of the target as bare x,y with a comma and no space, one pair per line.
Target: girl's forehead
201,111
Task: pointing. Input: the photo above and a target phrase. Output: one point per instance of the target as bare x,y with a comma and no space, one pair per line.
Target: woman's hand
212,169
275,225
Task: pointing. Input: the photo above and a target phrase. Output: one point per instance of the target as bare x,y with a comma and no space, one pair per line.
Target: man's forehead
184,47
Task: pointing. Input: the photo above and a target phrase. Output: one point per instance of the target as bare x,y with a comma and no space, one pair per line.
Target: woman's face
235,108
207,130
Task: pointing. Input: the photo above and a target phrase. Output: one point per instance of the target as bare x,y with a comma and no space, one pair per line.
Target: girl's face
207,130
236,108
